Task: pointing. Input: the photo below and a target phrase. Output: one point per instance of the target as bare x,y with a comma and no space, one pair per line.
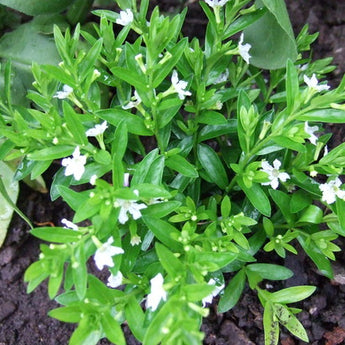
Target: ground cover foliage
214,180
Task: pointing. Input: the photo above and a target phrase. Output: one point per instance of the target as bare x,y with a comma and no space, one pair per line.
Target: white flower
75,165
126,17
104,254
244,49
213,3
310,130
273,173
215,292
179,86
331,190
97,130
135,240
93,179
69,225
157,292
126,179
135,101
115,280
314,84
66,91
129,206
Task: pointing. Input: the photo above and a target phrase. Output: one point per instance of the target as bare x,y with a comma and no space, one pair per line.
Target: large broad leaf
6,210
35,7
271,37
24,46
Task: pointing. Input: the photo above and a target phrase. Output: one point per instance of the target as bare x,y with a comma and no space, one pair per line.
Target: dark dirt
23,318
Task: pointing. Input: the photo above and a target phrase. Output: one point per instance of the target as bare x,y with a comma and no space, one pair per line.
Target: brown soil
23,317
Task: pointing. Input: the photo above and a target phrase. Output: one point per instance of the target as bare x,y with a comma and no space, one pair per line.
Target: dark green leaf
58,235
135,124
213,166
232,292
257,197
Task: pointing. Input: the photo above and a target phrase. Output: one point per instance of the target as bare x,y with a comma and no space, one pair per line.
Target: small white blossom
69,225
244,49
325,150
310,130
157,292
135,240
215,292
126,17
104,254
331,190
179,86
115,280
135,101
129,206
75,165
66,91
273,173
214,3
97,130
93,179
314,84
126,179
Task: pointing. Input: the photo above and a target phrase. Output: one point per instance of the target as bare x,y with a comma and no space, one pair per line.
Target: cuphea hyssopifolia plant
190,162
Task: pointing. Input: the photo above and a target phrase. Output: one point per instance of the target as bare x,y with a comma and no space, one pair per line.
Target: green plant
237,168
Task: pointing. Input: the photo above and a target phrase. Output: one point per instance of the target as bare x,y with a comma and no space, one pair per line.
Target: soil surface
23,317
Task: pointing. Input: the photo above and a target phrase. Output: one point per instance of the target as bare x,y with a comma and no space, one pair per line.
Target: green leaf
112,329
271,271
324,115
340,207
74,124
9,190
161,209
319,259
135,318
212,118
312,214
161,321
257,197
213,261
292,86
290,321
36,7
292,294
51,153
169,261
66,314
162,70
289,143
90,59
282,200
72,198
181,165
271,325
299,201
213,131
271,37
135,124
232,292
243,21
130,77
86,333
213,166
58,235
164,231
79,271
